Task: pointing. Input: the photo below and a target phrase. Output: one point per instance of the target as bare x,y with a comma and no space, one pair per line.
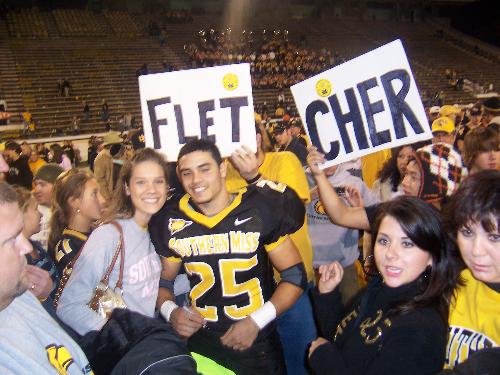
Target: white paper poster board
214,103
365,105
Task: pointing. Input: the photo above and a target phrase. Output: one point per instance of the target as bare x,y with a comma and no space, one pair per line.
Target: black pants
264,357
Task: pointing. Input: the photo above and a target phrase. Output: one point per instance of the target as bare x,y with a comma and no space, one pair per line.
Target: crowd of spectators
417,198
275,62
460,82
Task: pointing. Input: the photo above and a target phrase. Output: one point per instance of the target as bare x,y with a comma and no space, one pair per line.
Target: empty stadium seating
100,53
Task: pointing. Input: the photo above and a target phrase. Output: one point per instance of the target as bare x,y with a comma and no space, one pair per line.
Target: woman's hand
314,345
330,276
314,157
353,196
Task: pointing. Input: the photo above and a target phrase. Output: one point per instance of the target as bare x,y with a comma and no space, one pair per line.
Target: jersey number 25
230,288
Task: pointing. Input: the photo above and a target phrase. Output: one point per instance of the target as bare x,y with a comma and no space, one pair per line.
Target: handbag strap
120,250
66,273
69,267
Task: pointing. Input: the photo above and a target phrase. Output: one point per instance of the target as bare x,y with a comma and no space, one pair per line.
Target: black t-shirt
226,256
371,213
20,173
298,149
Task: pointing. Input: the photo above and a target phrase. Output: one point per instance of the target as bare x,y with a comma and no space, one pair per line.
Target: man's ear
223,169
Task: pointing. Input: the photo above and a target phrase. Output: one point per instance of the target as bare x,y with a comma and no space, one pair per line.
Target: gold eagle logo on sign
318,207
176,225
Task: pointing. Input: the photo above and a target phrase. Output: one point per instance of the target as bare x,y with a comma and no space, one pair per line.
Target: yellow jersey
474,320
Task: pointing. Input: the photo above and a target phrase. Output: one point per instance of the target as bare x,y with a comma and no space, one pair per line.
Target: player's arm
338,212
170,269
185,321
286,259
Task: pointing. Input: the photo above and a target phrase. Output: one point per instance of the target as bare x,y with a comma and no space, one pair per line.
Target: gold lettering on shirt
234,242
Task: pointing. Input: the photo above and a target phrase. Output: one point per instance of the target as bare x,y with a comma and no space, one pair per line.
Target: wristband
265,315
254,180
166,309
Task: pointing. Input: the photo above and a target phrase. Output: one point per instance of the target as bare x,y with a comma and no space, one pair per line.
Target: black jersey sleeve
158,229
283,211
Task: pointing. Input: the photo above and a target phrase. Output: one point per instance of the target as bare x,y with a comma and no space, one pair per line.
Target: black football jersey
225,256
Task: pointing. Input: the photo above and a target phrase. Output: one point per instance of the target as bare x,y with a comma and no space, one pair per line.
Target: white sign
365,105
209,103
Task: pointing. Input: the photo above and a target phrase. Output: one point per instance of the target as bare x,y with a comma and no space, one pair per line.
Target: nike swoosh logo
239,222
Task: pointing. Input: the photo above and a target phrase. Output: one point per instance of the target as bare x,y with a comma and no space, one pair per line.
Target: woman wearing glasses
398,324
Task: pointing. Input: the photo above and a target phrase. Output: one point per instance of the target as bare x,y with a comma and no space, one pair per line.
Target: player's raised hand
241,335
186,321
331,275
314,157
245,161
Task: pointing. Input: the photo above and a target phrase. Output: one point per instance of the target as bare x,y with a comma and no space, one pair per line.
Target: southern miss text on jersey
225,256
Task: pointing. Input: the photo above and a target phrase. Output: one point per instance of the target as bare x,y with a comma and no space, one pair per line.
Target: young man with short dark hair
227,243
287,142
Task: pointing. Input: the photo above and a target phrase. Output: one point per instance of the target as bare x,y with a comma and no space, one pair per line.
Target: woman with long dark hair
57,156
398,324
387,185
472,217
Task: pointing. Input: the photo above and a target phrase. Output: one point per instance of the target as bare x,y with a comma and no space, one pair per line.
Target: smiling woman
403,310
140,192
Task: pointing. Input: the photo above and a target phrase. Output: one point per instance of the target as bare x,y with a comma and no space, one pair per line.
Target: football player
227,244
